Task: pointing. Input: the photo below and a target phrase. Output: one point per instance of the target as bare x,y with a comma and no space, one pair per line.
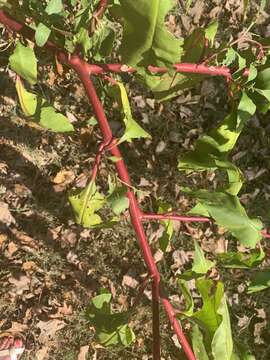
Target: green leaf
239,260
54,7
208,317
126,335
168,225
118,200
83,38
42,34
114,159
230,214
146,41
194,46
85,204
23,61
230,57
133,129
260,281
188,298
222,343
54,121
198,344
28,101
111,329
200,264
36,108
92,121
211,31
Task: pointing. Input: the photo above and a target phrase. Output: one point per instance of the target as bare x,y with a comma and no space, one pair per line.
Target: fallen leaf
5,215
129,282
19,285
49,328
41,354
12,248
17,328
29,266
83,352
64,177
3,238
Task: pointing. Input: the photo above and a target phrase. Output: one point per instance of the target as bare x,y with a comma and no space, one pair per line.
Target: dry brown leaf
49,328
29,266
17,328
24,239
83,352
64,177
3,238
12,248
41,354
129,282
19,285
5,215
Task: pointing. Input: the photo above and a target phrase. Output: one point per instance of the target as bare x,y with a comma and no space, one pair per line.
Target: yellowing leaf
85,204
28,101
133,129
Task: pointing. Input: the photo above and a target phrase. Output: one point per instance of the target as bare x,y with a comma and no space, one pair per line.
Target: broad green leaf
118,200
54,121
42,34
212,294
83,38
133,129
230,57
211,31
146,41
230,214
23,61
253,72
126,335
168,226
102,301
188,298
166,86
220,141
28,101
200,264
194,46
210,153
260,281
54,7
111,329
46,116
222,343
101,42
92,121
239,260
85,204
263,80
198,343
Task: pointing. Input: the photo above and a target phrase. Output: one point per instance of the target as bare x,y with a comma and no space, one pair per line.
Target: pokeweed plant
79,32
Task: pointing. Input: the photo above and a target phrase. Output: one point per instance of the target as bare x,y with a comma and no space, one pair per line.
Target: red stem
117,68
174,217
101,8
